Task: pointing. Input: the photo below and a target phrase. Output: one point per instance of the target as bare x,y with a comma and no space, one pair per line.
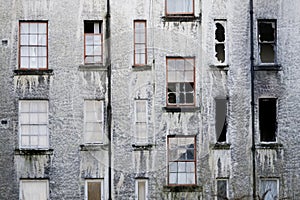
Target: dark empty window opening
268,119
221,119
267,41
221,189
220,41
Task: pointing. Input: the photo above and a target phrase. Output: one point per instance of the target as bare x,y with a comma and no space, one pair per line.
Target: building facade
169,99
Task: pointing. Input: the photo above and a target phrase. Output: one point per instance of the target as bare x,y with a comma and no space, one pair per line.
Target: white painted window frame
136,135
33,180
137,181
93,181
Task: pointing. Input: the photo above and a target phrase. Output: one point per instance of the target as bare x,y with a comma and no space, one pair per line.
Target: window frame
137,139
93,181
174,105
85,121
262,42
93,34
270,179
217,191
180,13
137,181
29,45
30,135
135,22
34,180
223,22
171,161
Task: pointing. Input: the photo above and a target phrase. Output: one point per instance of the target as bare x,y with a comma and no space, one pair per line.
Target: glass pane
171,76
33,62
269,188
25,106
42,28
173,167
24,51
24,28
34,130
25,141
179,76
89,59
97,50
34,118
42,40
189,64
190,178
89,39
173,178
43,130
189,76
25,130
141,190
24,39
33,51
171,64
33,27
140,49
190,167
43,119
34,140
33,39
267,53
24,118
221,189
140,37
97,39
97,59
34,190
41,51
89,50
42,62
182,178
181,167
43,141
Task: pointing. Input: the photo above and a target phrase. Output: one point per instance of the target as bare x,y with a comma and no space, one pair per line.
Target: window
140,48
93,42
93,189
33,45
141,188
33,124
220,41
222,189
180,81
179,7
93,121
268,119
182,160
141,133
221,119
269,189
267,41
34,190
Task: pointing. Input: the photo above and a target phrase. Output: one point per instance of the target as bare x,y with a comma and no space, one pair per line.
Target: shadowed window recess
220,41
268,119
93,44
222,189
221,119
267,41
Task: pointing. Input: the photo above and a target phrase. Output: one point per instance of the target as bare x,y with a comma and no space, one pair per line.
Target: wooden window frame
217,191
32,125
101,44
137,140
186,161
29,45
135,22
34,180
179,13
93,181
177,84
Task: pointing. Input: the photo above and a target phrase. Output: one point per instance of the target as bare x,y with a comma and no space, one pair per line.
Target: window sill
181,109
220,67
142,147
33,151
221,146
182,188
181,18
270,145
93,147
92,67
141,67
267,67
20,72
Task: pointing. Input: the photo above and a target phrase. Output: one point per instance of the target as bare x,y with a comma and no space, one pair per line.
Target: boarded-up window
179,7
140,49
93,190
220,41
269,189
33,124
141,133
34,190
221,189
221,119
141,189
93,42
267,41
93,121
182,160
268,119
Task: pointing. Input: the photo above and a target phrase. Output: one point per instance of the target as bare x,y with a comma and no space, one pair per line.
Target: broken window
93,44
140,51
93,190
268,119
267,41
34,190
33,45
269,189
182,160
33,124
181,81
93,121
179,7
220,41
221,119
141,134
141,189
222,189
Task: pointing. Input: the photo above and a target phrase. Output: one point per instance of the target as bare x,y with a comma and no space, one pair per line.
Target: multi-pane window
93,121
33,45
34,190
267,41
182,160
221,119
267,119
141,134
140,41
93,189
179,7
33,124
141,188
180,81
93,44
220,41
222,189
269,189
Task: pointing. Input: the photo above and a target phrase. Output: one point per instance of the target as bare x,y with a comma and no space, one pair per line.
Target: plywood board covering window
94,190
33,45
222,189
93,44
34,190
33,124
140,42
179,7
